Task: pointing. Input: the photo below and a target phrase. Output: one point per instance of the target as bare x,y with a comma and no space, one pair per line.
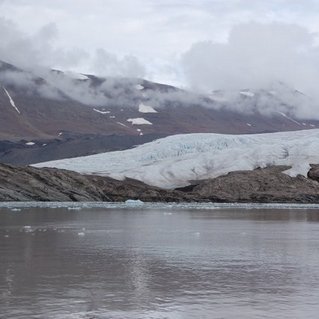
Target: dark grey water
159,263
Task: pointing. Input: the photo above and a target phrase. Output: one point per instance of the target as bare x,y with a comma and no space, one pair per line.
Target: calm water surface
159,263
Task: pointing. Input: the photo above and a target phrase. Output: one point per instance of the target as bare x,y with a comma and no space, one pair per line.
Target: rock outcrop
49,184
314,172
268,185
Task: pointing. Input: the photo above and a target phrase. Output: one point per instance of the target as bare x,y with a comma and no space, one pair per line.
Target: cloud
30,51
107,64
39,50
256,56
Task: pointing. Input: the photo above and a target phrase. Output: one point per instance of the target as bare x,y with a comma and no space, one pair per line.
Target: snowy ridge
11,100
173,161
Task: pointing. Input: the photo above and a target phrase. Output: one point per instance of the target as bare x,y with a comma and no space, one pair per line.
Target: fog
277,62
259,56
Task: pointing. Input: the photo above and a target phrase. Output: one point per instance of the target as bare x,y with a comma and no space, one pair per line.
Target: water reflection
143,264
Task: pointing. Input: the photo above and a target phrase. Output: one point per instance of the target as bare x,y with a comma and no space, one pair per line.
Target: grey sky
149,36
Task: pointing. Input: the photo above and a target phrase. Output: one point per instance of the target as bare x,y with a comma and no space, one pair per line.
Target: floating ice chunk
74,208
27,229
133,202
139,121
30,143
81,234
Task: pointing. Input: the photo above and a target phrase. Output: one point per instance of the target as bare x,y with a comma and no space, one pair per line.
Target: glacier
175,160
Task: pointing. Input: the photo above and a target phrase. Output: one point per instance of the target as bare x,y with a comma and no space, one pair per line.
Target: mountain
49,114
178,161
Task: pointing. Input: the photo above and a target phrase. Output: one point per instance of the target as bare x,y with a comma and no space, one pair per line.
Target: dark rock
266,185
50,184
314,172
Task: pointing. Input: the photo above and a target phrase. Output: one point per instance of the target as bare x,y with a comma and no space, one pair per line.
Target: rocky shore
268,185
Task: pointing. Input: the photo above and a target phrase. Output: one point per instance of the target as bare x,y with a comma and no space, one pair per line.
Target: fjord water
159,263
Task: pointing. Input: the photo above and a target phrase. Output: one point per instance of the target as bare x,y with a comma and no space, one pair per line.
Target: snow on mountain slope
173,161
11,100
139,121
146,109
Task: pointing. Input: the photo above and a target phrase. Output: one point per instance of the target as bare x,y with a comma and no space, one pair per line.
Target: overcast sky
176,41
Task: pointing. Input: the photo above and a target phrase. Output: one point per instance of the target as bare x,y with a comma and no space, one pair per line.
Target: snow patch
146,109
247,93
11,100
119,123
139,87
289,118
218,96
139,121
76,76
102,112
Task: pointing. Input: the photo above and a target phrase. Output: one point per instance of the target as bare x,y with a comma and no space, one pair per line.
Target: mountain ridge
53,110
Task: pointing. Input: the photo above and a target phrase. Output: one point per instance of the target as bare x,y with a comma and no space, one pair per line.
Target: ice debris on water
133,202
27,229
75,208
